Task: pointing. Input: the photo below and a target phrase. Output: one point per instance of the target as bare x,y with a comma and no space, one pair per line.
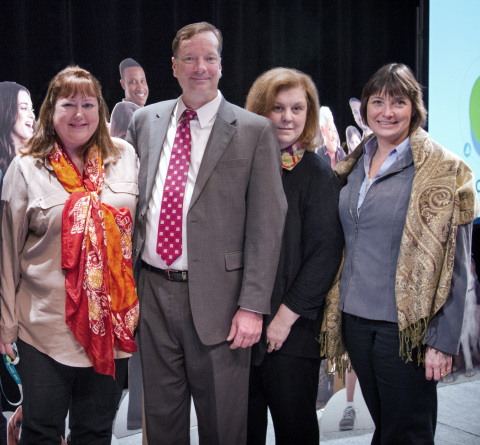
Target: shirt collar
400,150
205,114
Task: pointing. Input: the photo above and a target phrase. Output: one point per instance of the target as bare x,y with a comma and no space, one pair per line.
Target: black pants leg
401,401
48,388
95,399
3,426
289,385
257,409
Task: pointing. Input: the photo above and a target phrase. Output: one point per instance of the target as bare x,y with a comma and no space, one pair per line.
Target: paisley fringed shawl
443,197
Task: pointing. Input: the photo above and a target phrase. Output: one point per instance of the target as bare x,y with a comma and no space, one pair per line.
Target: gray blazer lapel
158,132
222,132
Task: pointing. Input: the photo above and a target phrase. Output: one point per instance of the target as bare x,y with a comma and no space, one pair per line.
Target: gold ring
444,374
272,347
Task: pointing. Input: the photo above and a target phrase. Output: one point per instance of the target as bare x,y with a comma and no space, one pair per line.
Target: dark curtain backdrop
340,43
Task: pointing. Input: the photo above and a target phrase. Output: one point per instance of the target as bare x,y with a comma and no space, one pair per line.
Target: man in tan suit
202,310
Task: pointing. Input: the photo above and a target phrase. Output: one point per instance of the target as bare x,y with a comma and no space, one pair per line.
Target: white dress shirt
200,129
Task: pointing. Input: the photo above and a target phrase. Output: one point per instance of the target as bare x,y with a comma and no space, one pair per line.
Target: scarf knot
291,156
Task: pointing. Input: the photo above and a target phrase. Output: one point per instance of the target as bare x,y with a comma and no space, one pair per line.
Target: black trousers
401,401
3,426
48,389
288,386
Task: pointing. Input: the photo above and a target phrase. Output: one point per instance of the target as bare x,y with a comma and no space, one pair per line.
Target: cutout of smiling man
134,82
330,152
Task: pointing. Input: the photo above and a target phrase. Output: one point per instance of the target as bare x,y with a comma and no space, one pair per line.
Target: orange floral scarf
101,303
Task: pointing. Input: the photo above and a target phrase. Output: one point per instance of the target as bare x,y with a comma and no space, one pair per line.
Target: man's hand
437,364
246,329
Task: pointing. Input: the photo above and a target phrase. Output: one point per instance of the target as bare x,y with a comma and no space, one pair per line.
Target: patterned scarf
101,303
443,197
291,156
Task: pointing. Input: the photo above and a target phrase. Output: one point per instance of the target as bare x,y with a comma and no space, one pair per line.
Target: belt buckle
171,277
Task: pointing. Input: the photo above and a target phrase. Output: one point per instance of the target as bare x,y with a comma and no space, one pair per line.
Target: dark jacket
310,257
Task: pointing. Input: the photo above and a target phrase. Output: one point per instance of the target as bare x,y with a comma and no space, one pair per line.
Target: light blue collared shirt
399,152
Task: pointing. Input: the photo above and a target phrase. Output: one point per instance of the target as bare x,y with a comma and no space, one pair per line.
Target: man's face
135,85
355,106
197,66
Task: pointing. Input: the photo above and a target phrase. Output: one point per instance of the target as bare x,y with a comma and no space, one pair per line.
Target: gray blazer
236,215
367,287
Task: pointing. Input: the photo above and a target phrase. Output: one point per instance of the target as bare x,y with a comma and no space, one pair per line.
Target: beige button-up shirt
32,287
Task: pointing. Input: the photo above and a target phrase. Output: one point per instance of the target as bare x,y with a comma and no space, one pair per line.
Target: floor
458,418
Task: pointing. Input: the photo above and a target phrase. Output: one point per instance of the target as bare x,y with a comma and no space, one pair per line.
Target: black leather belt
168,274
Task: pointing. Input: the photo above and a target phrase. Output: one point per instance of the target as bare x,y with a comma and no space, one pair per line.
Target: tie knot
188,115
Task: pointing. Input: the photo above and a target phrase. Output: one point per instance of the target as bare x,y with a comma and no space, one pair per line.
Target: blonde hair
262,95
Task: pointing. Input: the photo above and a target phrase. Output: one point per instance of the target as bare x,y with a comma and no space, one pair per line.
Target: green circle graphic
475,109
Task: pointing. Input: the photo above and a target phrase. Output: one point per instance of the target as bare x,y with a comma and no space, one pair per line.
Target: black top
310,257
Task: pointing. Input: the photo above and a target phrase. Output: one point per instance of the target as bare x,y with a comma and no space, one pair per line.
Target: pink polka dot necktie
169,240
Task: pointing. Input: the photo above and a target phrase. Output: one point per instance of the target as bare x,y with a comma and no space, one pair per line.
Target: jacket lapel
223,130
158,132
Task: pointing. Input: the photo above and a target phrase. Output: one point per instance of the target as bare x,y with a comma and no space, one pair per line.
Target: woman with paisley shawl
406,207
286,361
68,297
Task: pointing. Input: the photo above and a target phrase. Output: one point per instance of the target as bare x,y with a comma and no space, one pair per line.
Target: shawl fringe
412,339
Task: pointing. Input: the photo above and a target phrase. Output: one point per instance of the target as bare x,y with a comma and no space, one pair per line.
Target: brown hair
396,79
262,95
187,32
70,82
